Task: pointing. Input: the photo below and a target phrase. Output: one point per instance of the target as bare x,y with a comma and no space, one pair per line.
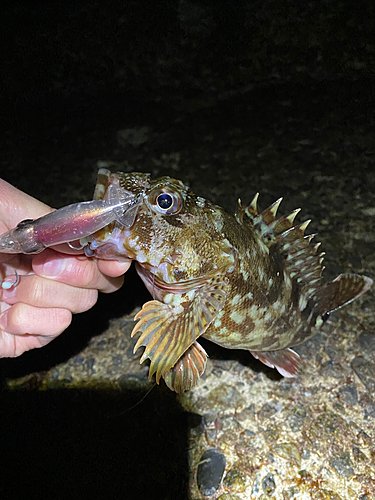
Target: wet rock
231,423
358,456
78,360
90,363
271,434
227,496
117,359
235,480
247,414
366,341
365,371
327,427
342,465
134,380
249,433
129,353
210,471
55,375
330,495
298,418
289,451
267,411
332,352
225,396
368,405
331,369
268,484
349,394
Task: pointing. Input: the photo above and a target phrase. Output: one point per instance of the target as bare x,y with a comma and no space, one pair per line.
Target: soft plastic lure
73,222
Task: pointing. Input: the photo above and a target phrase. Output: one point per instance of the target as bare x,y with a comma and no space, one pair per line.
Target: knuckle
86,274
17,318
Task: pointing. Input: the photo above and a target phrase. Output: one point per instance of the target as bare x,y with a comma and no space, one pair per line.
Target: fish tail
339,292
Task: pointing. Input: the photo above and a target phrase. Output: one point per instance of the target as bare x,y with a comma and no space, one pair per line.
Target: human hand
52,285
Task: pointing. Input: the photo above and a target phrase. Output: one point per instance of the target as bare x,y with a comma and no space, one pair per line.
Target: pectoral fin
286,361
170,328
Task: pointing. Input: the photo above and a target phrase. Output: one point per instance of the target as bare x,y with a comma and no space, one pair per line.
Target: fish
246,280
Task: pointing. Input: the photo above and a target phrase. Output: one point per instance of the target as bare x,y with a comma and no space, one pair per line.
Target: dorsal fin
269,214
286,221
252,210
302,261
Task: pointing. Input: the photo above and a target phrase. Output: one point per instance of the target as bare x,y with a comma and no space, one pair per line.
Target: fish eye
166,202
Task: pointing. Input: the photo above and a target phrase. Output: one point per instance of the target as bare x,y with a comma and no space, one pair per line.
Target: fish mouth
155,284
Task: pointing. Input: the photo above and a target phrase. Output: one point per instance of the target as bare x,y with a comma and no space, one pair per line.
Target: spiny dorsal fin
252,210
240,211
269,214
301,260
285,222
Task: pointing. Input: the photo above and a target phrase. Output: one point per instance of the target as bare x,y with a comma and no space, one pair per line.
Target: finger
75,271
22,319
43,292
15,345
17,205
113,268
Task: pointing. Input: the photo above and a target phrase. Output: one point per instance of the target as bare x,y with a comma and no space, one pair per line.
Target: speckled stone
342,465
228,496
365,371
366,341
210,471
235,480
349,394
268,484
297,418
288,451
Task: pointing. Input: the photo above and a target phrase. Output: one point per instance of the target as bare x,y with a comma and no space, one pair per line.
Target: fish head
172,234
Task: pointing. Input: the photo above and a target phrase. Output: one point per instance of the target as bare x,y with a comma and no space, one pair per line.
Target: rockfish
244,281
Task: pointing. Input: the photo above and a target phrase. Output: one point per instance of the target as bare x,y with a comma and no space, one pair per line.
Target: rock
210,471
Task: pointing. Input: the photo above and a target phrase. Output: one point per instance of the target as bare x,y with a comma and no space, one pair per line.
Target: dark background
231,97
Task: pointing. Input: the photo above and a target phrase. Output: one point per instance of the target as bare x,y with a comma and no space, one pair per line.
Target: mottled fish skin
244,281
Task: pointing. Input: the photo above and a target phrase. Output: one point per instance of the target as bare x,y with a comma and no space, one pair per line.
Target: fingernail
4,321
10,292
53,266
